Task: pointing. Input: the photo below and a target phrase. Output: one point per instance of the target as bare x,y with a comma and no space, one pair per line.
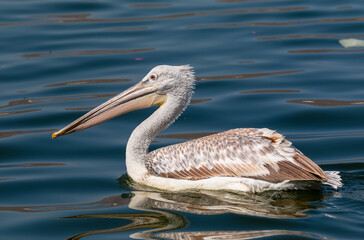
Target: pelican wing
246,152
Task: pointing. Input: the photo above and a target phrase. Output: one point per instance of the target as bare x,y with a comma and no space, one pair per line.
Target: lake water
275,64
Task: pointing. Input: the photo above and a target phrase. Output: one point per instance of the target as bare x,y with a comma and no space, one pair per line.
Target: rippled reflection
272,91
18,112
28,101
326,102
150,5
159,220
139,221
233,1
168,207
87,82
311,36
270,204
274,24
247,75
219,235
85,53
279,204
243,62
196,101
108,202
160,212
326,51
79,109
69,16
29,165
320,135
13,133
129,29
5,179
83,18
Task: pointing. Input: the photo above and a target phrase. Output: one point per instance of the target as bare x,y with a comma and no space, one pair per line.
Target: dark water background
275,64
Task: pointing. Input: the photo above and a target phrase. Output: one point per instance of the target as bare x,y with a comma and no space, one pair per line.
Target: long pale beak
136,97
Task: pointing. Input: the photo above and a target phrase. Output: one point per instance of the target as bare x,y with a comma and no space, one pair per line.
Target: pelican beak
136,97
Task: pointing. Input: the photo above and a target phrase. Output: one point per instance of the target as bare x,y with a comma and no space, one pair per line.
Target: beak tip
54,135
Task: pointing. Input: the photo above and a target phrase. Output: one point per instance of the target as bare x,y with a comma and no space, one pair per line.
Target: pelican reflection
161,212
156,215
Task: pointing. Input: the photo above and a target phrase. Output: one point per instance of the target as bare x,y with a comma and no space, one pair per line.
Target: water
275,64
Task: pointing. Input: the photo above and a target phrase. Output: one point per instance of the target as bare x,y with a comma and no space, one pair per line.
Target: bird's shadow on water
162,211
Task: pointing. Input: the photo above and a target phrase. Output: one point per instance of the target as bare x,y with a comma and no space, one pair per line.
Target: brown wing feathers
308,165
254,153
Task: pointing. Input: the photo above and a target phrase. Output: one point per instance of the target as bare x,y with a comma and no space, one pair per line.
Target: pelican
238,160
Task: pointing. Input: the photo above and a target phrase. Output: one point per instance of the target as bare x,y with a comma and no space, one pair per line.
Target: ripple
30,101
325,51
326,102
112,201
243,62
150,5
79,109
247,75
304,36
6,179
320,135
196,101
29,165
19,132
82,18
234,1
344,7
54,99
162,210
129,29
350,163
19,112
85,53
91,81
74,16
235,234
273,24
271,91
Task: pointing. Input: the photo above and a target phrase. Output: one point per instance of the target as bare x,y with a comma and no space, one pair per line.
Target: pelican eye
153,77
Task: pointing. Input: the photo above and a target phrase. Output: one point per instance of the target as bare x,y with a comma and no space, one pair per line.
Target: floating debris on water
351,42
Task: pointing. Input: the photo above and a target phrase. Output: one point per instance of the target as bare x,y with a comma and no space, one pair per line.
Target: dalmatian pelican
243,159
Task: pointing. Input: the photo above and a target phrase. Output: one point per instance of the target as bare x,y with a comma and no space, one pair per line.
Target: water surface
275,64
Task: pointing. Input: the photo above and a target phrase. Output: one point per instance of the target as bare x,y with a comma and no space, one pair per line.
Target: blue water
275,64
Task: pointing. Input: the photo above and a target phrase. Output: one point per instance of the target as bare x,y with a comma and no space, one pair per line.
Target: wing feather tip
333,179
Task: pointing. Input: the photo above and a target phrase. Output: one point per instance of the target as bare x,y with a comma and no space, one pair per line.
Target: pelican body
243,160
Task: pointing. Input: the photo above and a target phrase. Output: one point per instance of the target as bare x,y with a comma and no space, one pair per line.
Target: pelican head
159,85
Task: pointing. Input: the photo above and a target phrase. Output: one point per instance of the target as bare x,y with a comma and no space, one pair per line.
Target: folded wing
246,152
